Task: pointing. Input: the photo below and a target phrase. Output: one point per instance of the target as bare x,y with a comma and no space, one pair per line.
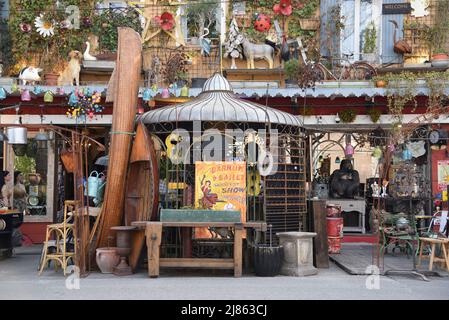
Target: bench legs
153,234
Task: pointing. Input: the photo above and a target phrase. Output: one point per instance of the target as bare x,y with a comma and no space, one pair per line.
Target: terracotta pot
381,84
440,56
107,259
51,79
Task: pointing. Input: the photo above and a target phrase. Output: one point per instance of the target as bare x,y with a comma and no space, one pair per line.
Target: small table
433,242
153,233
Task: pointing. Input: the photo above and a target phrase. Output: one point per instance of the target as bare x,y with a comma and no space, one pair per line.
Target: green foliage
25,164
291,69
370,37
437,36
374,114
347,115
105,27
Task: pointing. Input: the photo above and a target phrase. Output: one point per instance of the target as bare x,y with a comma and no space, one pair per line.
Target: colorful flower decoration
84,105
284,8
25,27
262,23
44,27
165,21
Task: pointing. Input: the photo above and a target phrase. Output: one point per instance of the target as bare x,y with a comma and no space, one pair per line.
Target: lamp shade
2,94
17,135
377,152
73,99
41,136
48,96
25,95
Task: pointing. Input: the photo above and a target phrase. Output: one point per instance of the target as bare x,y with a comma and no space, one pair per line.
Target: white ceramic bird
86,55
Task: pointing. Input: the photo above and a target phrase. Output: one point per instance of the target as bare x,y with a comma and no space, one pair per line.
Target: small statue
344,182
254,51
376,189
384,188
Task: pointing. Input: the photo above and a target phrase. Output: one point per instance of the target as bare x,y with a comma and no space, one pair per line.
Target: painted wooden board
189,215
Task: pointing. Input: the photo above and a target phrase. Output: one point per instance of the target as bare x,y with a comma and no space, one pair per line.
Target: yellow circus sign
221,186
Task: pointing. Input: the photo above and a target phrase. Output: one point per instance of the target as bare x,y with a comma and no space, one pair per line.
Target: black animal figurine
344,182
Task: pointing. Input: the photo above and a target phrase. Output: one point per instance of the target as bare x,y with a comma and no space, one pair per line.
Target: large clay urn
107,259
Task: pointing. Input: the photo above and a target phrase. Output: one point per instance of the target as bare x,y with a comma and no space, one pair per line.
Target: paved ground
19,280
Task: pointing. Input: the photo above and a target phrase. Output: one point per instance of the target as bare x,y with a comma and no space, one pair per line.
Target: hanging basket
68,160
309,24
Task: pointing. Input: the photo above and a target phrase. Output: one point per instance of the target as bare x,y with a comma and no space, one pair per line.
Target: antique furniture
298,253
123,249
60,250
351,205
153,233
444,242
317,224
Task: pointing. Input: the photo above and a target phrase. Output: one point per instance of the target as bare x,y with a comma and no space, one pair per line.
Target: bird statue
102,56
205,43
400,46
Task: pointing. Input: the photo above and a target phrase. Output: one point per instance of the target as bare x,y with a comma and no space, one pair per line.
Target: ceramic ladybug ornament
262,23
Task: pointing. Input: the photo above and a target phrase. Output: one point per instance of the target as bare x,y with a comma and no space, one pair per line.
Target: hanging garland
84,106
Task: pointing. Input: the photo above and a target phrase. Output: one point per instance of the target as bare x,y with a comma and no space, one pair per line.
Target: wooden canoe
142,189
125,87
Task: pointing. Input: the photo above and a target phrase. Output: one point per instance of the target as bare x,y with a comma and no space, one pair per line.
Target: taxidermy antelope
254,51
400,46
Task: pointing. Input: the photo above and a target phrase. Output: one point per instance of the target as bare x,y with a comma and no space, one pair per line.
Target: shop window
358,15
36,162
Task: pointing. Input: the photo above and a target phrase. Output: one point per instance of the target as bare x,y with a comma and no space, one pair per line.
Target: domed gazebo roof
217,102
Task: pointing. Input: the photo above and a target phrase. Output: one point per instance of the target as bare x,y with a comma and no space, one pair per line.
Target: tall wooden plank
320,246
127,75
238,239
153,234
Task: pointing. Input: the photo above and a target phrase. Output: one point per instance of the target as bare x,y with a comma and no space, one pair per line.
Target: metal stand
414,271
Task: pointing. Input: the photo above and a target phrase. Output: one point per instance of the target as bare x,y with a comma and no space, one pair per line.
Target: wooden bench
153,234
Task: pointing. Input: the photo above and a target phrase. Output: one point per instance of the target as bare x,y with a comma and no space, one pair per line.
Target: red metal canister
334,227
334,244
333,210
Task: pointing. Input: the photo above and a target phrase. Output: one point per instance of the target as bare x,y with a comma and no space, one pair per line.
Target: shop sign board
396,8
443,175
220,185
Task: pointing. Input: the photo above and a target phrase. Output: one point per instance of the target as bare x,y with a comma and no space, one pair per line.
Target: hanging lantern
20,149
14,88
73,99
25,95
337,160
48,97
2,94
349,150
3,137
185,91
140,110
37,90
165,93
41,136
152,103
17,135
406,154
146,95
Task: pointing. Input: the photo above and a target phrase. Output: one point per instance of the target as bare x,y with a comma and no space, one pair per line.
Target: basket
68,160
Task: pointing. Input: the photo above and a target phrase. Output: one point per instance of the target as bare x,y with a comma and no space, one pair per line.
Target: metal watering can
94,184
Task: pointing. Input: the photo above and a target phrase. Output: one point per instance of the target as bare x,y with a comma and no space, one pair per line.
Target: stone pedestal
298,253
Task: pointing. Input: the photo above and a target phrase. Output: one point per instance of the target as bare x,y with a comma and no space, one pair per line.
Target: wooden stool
60,231
433,242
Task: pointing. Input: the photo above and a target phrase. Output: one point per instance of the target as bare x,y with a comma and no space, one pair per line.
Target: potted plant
437,36
369,45
268,258
348,115
374,114
380,82
291,72
440,59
